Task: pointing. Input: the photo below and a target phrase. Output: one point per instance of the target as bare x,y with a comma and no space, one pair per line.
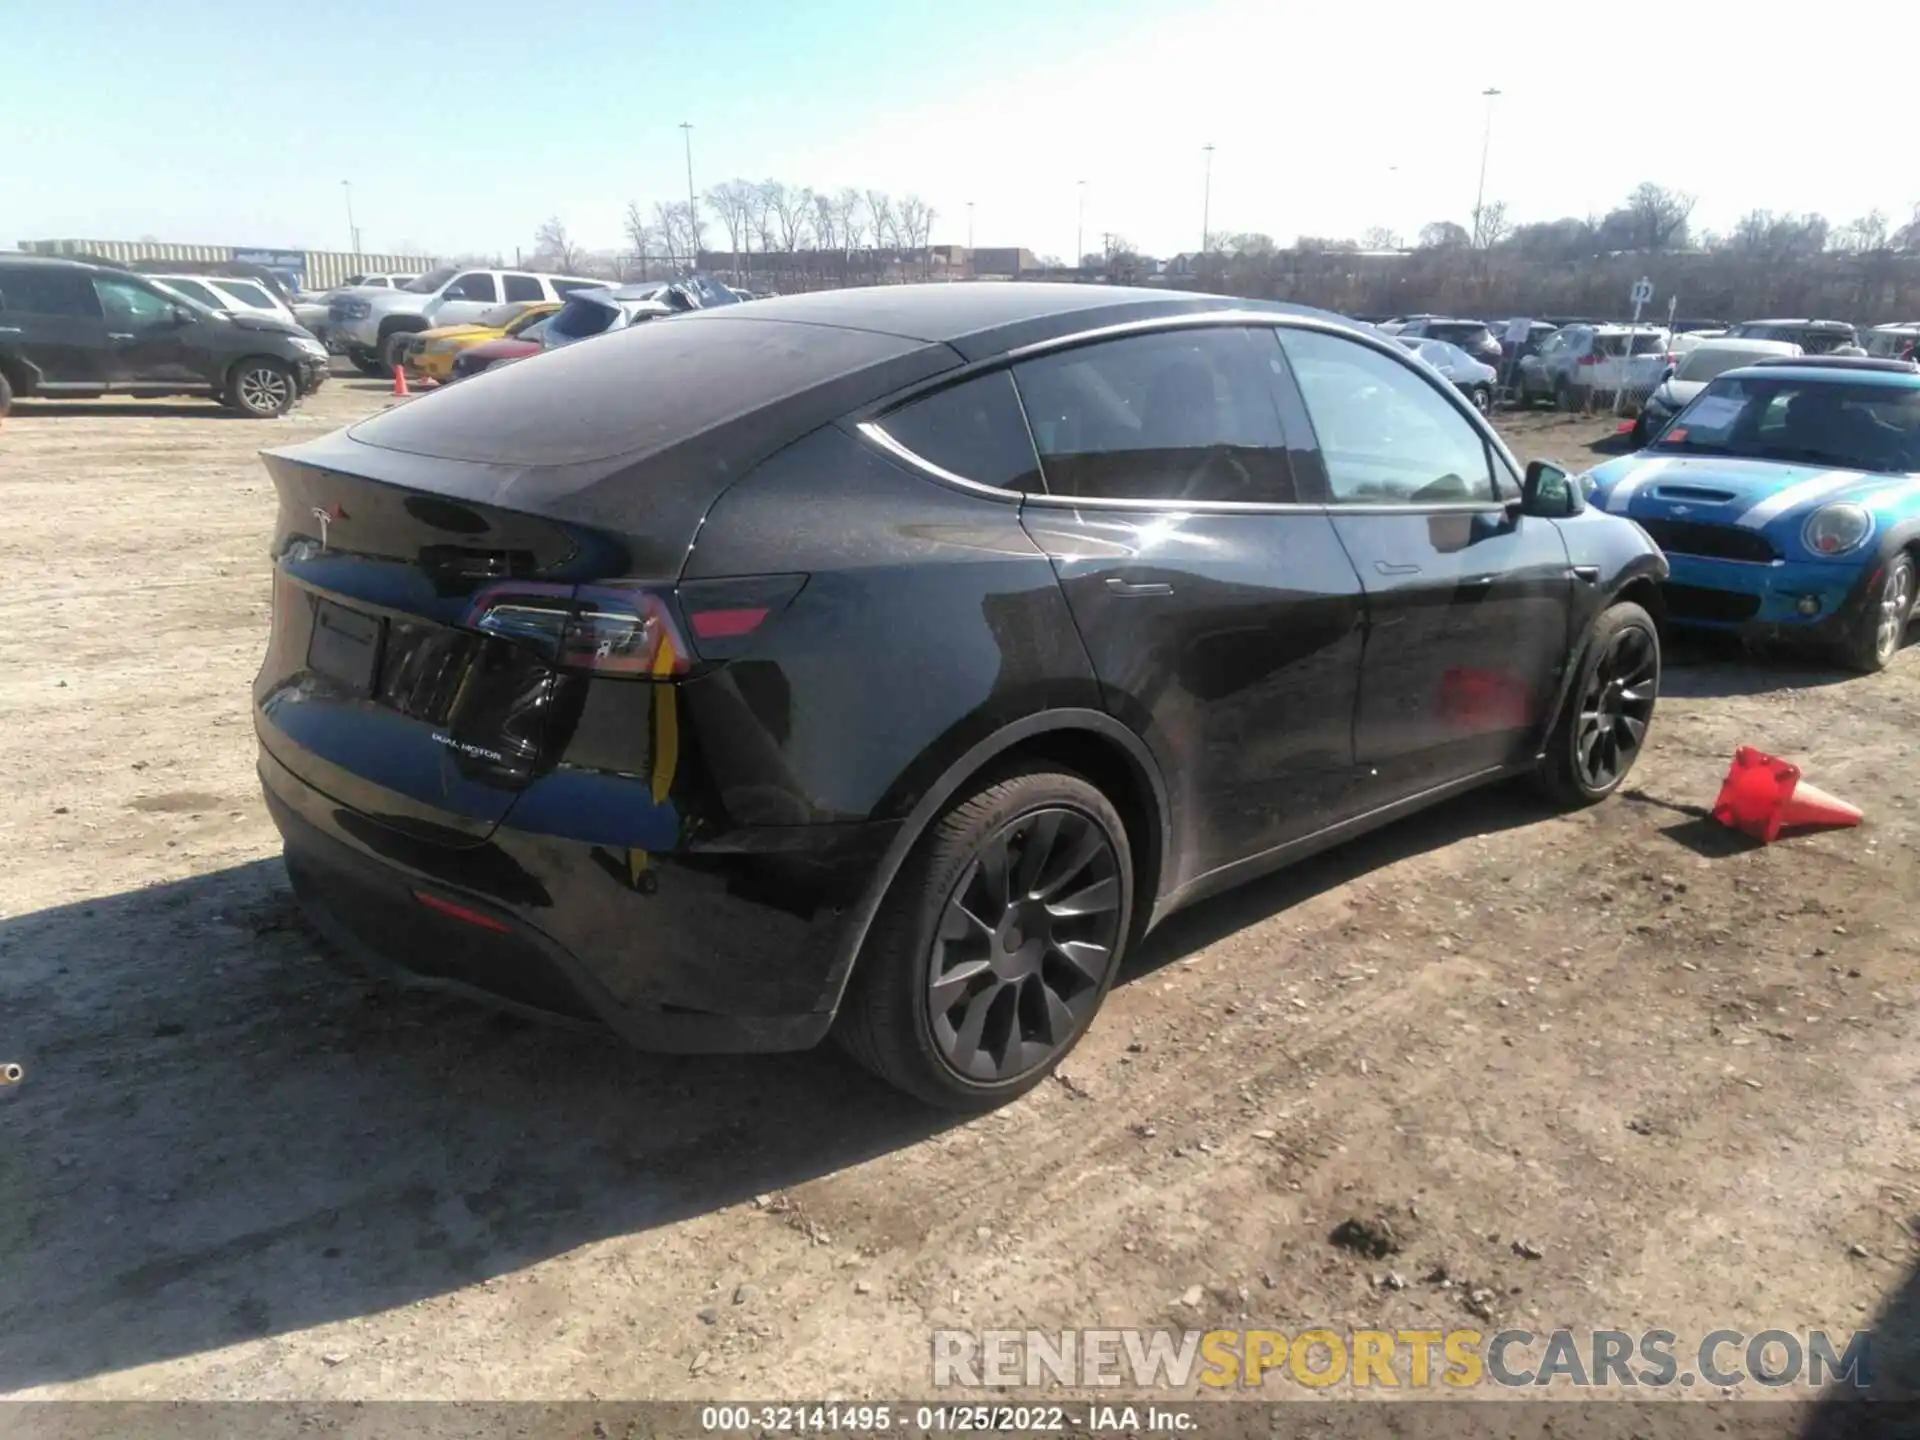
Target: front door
147,341
1217,607
1468,602
466,298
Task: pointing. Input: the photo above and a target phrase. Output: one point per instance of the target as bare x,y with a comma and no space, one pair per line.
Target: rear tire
366,361
1021,962
6,397
1564,399
1881,627
1608,710
262,388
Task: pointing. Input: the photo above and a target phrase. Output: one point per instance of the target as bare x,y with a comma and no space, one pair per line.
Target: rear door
477,291
1467,601
50,321
1217,607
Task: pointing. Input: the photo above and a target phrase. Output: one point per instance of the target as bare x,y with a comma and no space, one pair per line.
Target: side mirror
183,316
1550,492
1667,374
453,292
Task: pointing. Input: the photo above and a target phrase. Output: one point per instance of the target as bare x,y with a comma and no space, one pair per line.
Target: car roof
980,319
1822,366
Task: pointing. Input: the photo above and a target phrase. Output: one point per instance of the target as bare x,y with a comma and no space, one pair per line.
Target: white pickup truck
368,325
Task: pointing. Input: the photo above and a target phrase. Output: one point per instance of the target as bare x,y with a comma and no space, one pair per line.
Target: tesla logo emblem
326,515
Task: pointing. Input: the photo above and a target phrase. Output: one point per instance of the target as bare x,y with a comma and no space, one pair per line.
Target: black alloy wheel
1024,947
996,943
1604,722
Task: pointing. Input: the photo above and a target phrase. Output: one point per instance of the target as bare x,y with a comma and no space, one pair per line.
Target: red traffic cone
400,381
1763,795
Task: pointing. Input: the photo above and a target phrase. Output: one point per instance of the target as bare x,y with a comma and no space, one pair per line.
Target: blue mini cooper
1787,498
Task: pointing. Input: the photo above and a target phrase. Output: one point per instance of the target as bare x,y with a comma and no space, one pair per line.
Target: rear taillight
1591,359
725,615
607,630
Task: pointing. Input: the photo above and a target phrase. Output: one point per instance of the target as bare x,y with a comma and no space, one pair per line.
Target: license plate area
345,647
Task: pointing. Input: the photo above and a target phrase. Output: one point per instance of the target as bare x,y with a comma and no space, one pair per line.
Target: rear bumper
739,944
1765,600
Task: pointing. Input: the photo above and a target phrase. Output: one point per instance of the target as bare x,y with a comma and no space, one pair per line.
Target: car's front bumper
434,364
314,372
1766,599
734,945
363,334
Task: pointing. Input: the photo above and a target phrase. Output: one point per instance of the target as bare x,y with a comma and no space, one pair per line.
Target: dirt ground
1680,1068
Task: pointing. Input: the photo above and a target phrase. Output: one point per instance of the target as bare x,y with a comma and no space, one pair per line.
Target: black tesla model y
886,662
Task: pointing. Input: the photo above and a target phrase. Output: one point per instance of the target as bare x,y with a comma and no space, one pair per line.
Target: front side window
247,293
1179,415
476,285
133,305
523,287
47,290
1387,434
973,430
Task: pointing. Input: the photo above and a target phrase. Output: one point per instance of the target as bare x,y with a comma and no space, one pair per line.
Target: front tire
262,388
367,362
6,397
996,943
1876,634
390,351
1482,398
1608,710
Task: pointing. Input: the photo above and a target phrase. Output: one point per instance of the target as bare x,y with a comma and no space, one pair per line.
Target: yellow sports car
432,352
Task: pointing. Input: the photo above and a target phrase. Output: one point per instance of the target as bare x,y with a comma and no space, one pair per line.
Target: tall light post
1080,228
1486,143
1206,198
353,230
693,205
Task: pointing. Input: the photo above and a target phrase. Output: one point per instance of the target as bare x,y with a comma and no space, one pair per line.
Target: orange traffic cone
400,381
1763,795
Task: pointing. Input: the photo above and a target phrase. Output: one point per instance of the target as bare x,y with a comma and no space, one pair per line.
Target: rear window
1459,334
581,317
47,290
974,430
650,387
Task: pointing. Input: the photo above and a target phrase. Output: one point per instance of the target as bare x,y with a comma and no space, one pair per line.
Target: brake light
726,624
724,615
607,630
1591,359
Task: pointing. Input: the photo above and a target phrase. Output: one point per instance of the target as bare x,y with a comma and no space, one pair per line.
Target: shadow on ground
123,409
1711,664
222,1137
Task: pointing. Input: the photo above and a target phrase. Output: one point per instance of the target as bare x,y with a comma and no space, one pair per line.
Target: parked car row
72,329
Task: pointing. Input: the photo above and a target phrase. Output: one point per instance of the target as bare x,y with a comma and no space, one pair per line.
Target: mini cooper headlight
1838,528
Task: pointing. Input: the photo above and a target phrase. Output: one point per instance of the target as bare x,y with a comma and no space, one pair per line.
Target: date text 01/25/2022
868,1419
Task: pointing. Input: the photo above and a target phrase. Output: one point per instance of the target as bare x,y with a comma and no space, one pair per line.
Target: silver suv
369,325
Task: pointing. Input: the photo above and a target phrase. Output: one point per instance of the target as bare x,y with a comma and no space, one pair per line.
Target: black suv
888,661
1472,336
70,330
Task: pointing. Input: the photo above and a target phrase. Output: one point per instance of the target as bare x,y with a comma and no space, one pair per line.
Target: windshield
1814,422
1704,364
432,280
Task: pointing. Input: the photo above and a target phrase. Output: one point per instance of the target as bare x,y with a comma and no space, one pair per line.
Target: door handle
1137,587
1588,573
112,336
1477,580
9,329
1385,569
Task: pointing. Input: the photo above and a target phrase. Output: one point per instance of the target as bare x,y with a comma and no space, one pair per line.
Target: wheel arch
407,323
1089,742
23,376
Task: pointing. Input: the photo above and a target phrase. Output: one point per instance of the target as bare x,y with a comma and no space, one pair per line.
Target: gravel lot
1679,1068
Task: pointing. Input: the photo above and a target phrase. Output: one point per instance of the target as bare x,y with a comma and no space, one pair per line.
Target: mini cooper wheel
996,944
1880,627
1604,724
262,388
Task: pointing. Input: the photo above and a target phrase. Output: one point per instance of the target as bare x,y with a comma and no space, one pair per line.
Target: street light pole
693,205
1486,143
353,230
1206,198
1080,228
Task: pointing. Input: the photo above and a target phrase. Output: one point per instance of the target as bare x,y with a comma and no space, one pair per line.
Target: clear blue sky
462,126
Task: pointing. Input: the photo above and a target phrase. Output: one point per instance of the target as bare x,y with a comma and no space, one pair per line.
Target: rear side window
47,290
523,287
247,294
973,430
1649,345
1180,415
194,290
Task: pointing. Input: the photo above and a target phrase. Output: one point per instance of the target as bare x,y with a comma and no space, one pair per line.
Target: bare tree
1443,235
554,249
1908,236
916,227
671,225
886,230
1868,233
1380,237
1490,225
732,201
639,234
850,218
761,214
1657,217
792,214
826,221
